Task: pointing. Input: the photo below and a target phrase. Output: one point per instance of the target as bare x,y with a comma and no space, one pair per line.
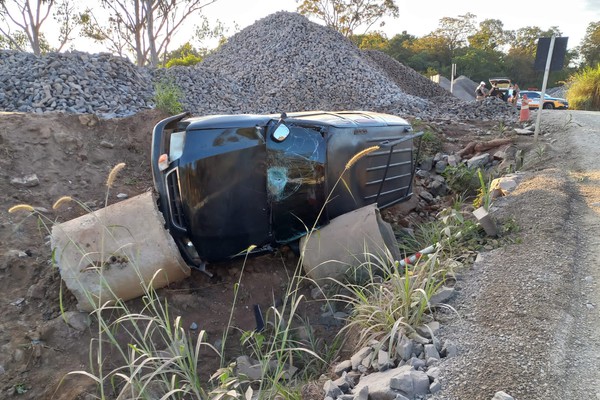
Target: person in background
495,92
481,91
515,95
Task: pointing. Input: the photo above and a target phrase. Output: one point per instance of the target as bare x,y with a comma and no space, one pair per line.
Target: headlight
177,140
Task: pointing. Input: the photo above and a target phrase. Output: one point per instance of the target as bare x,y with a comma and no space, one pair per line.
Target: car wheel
548,106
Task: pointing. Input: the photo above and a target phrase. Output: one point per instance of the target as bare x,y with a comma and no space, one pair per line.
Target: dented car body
227,182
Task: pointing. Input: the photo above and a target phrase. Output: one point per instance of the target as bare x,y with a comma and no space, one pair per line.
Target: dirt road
530,321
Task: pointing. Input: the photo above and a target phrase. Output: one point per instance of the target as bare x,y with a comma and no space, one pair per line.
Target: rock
383,360
437,188
332,390
359,356
502,396
442,296
429,329
431,352
343,383
419,339
440,166
342,367
37,291
106,144
411,383
26,181
379,383
435,387
193,326
478,161
425,195
519,131
363,394
122,196
426,164
433,373
417,363
248,367
449,349
404,348
79,321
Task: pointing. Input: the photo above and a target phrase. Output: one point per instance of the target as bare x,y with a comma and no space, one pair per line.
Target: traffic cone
524,115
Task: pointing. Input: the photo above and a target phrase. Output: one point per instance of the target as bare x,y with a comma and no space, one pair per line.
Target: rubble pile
281,63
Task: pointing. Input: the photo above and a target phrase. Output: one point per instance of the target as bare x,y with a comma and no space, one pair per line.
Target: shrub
584,90
167,96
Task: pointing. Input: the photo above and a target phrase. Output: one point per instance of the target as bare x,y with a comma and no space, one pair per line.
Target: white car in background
549,101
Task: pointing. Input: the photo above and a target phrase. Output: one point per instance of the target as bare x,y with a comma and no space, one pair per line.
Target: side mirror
281,133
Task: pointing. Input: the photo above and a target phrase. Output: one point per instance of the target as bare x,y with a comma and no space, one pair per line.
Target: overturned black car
227,182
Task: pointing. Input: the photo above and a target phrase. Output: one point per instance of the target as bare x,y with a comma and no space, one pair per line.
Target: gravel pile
282,62
406,78
73,82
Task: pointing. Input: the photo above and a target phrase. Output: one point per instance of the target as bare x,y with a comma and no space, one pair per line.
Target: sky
418,17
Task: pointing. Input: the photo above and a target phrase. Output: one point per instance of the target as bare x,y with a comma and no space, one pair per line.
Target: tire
548,106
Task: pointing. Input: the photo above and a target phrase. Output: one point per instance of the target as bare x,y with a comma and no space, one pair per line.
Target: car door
295,179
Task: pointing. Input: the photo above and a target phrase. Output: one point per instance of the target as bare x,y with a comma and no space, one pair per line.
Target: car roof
334,118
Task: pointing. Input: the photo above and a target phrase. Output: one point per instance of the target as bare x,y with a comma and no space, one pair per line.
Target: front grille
389,175
174,195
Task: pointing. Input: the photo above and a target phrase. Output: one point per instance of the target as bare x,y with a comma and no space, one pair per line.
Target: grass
584,89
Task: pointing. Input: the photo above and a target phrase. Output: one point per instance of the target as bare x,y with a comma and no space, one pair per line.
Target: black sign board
558,54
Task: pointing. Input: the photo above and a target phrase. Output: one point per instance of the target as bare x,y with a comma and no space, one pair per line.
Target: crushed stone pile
463,88
284,62
281,63
73,82
406,78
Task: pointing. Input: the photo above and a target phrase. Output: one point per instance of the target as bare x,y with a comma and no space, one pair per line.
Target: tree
399,47
371,41
23,19
143,27
589,49
346,16
490,36
455,31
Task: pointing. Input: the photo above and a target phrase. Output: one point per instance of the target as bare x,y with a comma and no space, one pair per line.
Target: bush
584,90
186,61
167,96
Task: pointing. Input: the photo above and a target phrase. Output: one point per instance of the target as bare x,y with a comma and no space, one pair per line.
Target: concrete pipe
115,252
347,242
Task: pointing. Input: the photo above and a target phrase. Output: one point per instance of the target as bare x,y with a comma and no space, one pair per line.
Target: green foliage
431,144
185,58
462,179
484,196
590,45
346,16
371,41
392,300
584,90
167,97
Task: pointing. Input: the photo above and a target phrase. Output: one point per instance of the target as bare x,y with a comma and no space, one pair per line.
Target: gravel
282,62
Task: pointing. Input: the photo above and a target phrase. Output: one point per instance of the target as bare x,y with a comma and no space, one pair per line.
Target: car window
533,95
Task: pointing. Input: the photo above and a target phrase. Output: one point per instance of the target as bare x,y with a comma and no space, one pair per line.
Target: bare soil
72,155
